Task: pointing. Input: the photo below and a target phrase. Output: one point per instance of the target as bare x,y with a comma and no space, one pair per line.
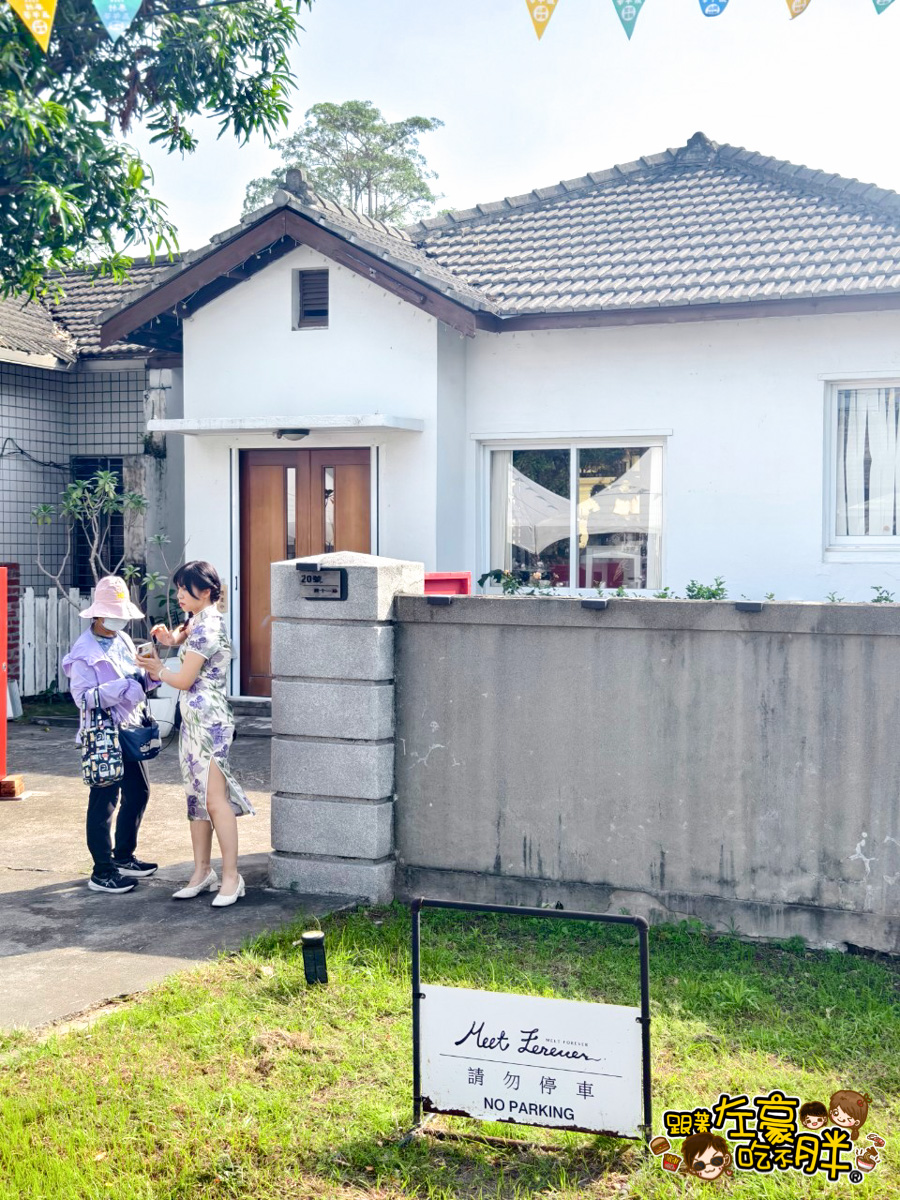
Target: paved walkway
64,949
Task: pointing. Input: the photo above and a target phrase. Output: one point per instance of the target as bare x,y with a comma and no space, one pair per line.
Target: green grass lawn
236,1080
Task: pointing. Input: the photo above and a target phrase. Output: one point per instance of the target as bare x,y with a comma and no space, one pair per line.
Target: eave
153,317
746,310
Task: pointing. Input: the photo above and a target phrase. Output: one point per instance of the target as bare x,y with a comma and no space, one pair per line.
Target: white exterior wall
745,465
243,359
740,406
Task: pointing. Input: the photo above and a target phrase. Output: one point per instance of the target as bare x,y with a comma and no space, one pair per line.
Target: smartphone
146,649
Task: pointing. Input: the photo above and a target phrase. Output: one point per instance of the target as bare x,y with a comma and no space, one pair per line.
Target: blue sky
519,113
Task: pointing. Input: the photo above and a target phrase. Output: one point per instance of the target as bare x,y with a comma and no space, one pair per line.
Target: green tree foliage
72,192
353,155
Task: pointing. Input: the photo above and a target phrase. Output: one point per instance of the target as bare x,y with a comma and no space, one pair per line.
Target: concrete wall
333,725
671,759
163,468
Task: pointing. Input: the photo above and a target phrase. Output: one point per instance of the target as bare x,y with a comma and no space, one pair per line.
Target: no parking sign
532,1060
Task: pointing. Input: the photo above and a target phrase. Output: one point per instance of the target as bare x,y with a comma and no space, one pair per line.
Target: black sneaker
134,866
114,884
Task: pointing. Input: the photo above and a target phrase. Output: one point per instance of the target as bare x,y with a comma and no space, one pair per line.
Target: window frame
623,441
871,548
298,321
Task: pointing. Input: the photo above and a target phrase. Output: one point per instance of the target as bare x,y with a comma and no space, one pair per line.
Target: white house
680,368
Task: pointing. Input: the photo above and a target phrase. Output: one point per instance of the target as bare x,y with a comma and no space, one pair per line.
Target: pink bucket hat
111,600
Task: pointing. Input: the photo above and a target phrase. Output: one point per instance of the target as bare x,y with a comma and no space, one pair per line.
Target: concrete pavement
64,949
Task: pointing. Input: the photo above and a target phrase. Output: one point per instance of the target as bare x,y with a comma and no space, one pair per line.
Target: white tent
622,507
537,516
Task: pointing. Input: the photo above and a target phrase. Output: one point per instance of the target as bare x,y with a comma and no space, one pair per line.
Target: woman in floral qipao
214,797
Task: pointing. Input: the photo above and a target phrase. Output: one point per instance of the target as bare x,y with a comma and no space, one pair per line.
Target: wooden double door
293,503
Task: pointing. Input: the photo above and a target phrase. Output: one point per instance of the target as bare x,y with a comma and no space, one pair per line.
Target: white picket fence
48,625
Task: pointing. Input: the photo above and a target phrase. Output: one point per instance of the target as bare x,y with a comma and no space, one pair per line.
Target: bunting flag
628,11
116,15
713,8
541,12
38,18
881,5
798,6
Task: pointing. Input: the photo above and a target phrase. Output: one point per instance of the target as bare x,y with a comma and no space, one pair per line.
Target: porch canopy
288,425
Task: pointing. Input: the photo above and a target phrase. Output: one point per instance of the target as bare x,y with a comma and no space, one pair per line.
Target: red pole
4,619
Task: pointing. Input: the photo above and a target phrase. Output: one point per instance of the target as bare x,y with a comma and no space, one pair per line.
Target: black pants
135,791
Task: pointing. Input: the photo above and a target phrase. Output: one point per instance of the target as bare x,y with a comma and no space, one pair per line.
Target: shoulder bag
142,742
101,754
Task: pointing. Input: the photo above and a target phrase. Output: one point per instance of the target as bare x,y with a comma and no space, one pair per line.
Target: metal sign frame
639,923
332,577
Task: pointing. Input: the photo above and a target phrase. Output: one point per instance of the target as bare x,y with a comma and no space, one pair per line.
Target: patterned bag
101,754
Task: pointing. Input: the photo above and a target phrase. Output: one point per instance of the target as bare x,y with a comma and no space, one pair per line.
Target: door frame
236,566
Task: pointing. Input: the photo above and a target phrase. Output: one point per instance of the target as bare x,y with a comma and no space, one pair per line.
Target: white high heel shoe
221,901
209,884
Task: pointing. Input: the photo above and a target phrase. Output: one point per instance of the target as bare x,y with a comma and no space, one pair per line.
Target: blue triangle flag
713,8
628,11
116,15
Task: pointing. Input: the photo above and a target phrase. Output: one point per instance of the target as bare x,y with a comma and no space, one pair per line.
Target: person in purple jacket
101,665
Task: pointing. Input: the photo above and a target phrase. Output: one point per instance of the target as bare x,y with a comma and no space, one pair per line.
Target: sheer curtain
501,510
867,462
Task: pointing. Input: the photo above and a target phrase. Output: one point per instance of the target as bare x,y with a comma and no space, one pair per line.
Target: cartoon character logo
849,1110
706,1155
867,1159
813,1115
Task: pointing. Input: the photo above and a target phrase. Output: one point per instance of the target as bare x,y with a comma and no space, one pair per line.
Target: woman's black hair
198,576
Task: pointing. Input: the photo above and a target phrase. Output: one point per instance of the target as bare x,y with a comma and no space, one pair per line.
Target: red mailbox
448,583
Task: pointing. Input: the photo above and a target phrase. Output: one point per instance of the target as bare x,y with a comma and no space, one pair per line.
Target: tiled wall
108,412
52,415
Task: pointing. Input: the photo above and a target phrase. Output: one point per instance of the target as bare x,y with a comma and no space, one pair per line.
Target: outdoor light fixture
314,966
292,435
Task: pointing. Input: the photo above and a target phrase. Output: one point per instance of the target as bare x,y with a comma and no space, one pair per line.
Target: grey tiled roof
29,329
704,224
394,245
78,313
386,242
69,329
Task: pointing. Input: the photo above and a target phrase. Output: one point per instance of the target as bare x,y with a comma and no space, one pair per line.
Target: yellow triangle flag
798,6
541,12
38,17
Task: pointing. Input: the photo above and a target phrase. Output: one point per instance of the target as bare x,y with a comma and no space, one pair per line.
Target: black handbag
101,753
141,743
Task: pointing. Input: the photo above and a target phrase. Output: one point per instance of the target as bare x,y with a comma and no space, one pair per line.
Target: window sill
862,554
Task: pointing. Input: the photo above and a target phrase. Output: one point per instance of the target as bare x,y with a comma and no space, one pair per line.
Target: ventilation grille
312,311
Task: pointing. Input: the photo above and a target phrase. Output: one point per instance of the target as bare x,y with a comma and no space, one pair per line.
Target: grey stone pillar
333,728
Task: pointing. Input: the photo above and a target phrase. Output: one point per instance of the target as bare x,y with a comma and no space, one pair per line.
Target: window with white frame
582,516
865,424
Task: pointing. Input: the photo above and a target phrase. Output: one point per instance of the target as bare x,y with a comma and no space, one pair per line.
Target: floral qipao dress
207,723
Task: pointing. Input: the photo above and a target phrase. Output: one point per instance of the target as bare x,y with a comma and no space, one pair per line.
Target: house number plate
327,584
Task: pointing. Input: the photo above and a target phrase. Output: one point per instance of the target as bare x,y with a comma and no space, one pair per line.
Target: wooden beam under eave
200,282
216,264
